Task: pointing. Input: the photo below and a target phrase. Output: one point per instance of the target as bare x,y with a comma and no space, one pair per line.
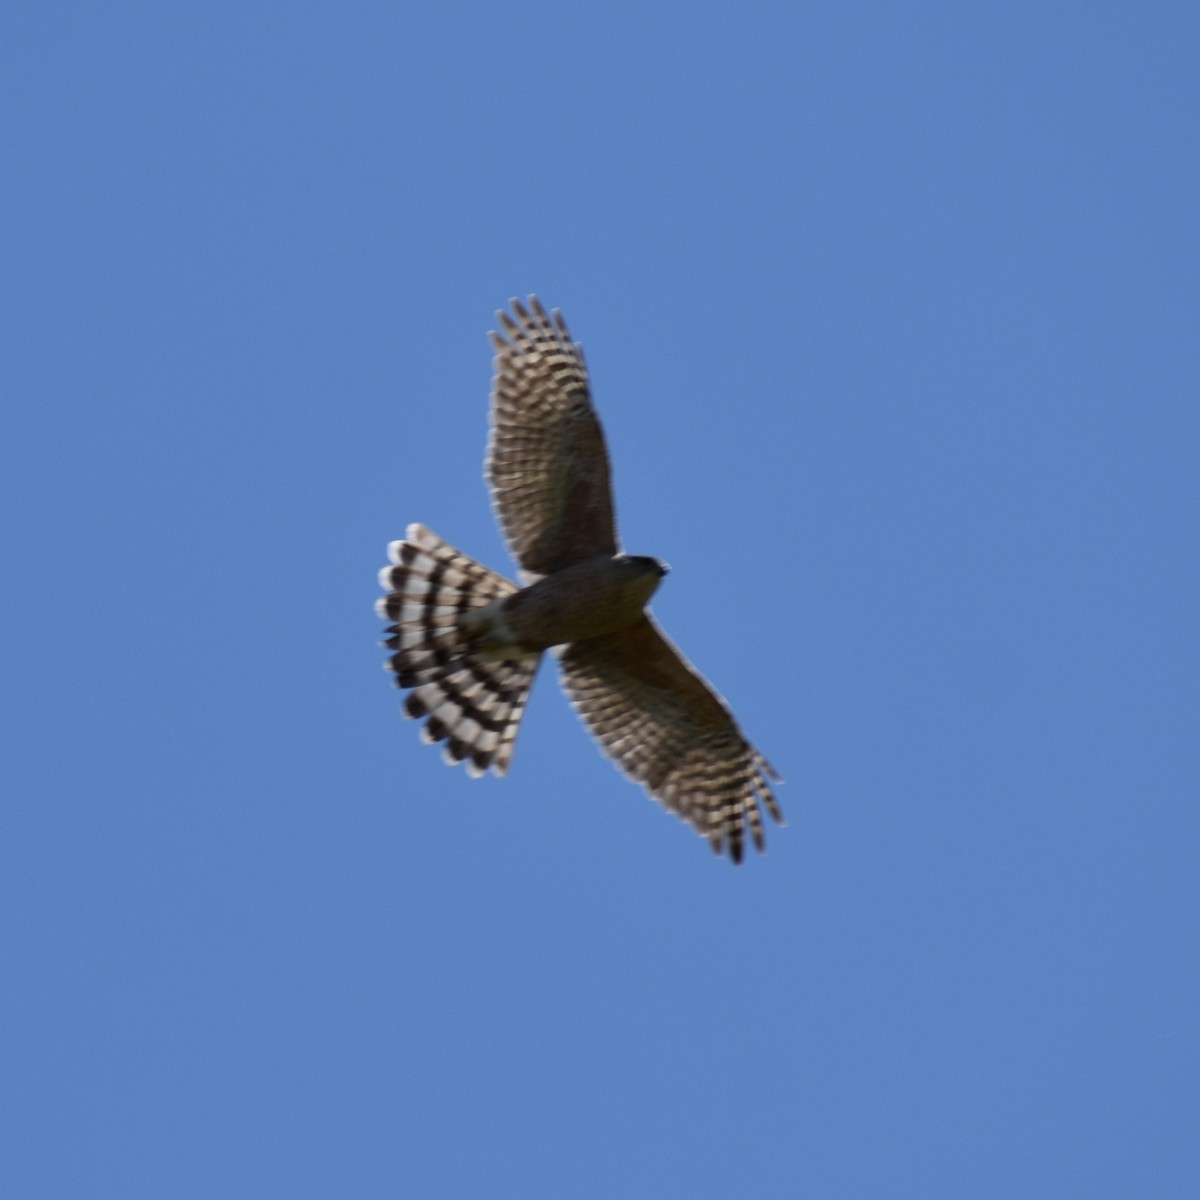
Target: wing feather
665,727
547,463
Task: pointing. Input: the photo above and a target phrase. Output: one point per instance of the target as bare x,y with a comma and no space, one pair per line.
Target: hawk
467,641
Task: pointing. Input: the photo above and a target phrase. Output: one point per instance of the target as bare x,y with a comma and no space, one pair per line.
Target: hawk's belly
599,595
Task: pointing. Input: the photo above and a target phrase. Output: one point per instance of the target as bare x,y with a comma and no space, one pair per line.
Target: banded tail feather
471,701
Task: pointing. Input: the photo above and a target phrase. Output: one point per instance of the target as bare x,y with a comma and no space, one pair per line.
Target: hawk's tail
473,704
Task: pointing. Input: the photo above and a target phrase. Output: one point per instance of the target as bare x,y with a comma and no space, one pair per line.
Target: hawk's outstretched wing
662,724
547,465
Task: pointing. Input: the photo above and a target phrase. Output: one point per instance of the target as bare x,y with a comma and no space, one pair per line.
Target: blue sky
891,312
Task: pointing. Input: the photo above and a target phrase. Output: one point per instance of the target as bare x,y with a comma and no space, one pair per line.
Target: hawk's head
643,574
645,565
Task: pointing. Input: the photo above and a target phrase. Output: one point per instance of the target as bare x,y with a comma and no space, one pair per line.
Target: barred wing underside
547,464
667,729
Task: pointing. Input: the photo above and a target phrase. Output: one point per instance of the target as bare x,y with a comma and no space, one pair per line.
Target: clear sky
892,317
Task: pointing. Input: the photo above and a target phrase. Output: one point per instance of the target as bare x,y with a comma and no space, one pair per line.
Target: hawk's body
468,642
